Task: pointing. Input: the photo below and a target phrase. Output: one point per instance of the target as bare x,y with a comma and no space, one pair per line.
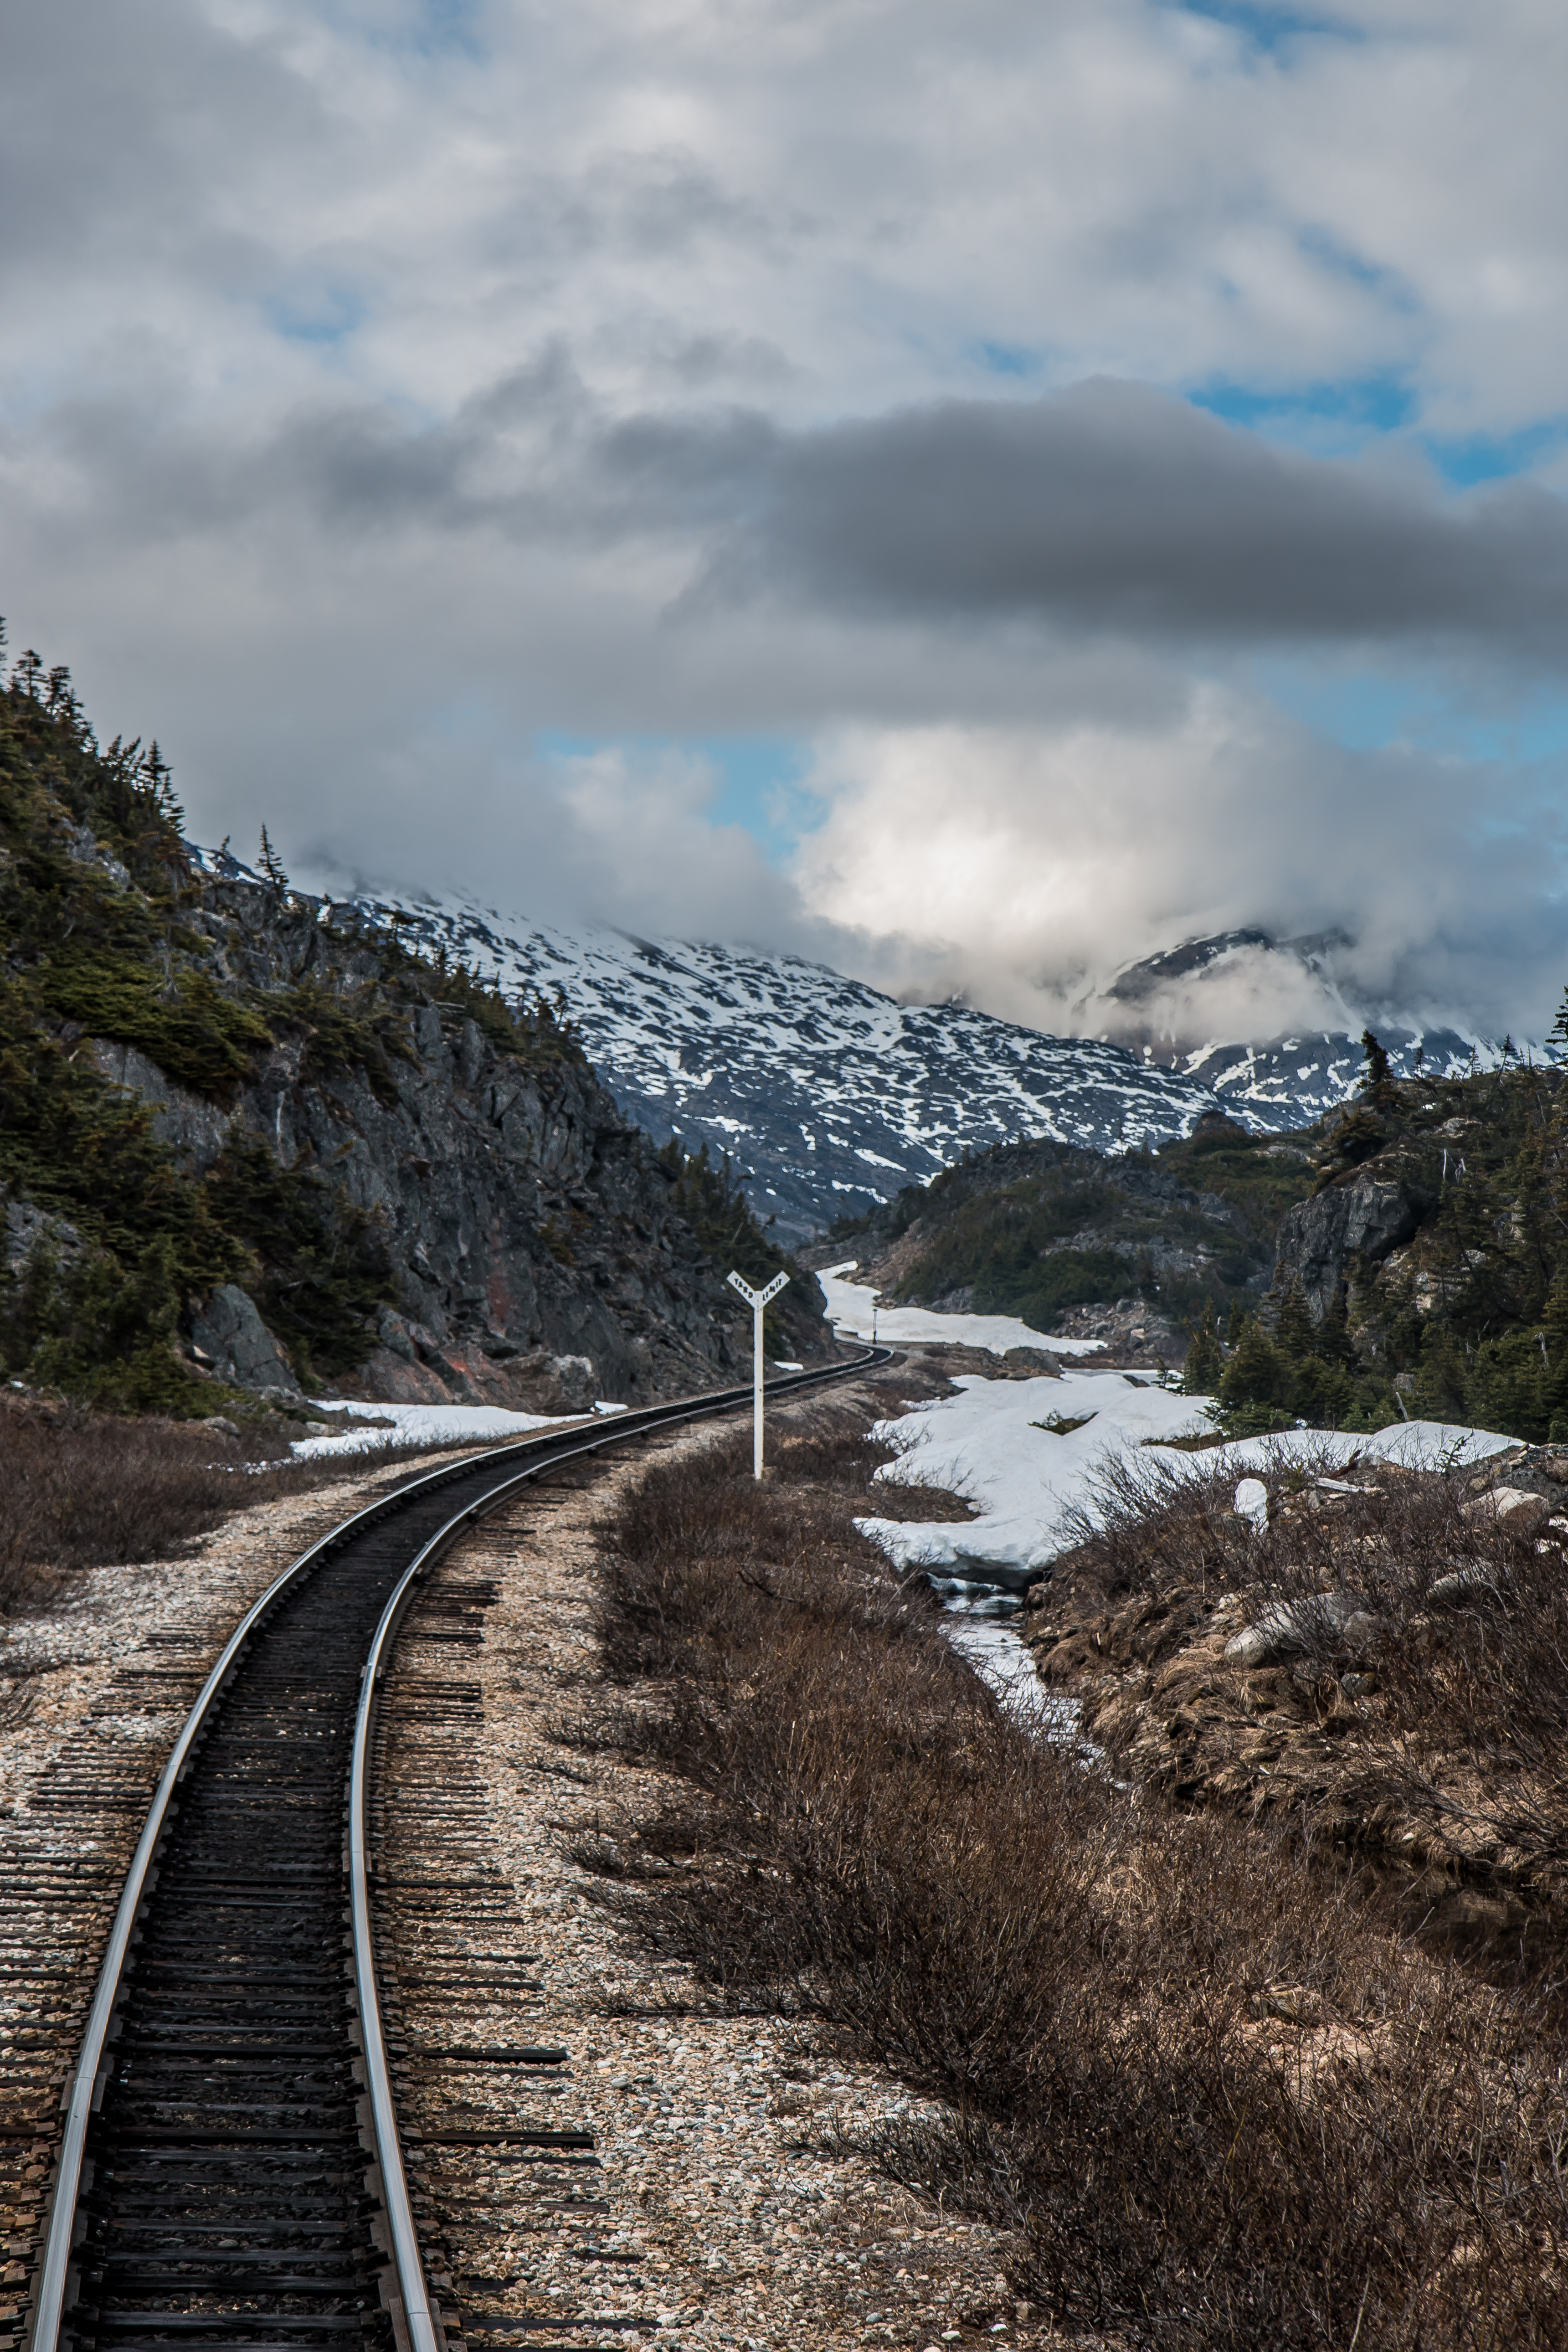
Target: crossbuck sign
756,1301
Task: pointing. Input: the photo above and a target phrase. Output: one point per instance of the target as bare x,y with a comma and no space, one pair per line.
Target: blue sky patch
1268,27
758,780
1349,411
323,312
1368,710
1006,359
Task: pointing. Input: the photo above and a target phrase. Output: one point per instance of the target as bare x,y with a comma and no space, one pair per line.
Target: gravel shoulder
731,2219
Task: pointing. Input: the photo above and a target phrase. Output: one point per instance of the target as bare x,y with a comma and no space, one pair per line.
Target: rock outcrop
535,1256
1366,1215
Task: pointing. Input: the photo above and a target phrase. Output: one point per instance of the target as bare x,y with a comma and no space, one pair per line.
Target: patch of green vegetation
1062,1424
1033,1229
204,1040
323,1263
708,1195
100,1330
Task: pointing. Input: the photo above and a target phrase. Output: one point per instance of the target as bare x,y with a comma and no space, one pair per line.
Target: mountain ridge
828,1095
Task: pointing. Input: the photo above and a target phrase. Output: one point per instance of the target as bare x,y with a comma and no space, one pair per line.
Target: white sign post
756,1301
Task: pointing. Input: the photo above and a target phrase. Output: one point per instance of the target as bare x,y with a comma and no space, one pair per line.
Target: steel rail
84,2089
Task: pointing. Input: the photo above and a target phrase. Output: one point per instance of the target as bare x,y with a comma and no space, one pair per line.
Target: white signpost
756,1301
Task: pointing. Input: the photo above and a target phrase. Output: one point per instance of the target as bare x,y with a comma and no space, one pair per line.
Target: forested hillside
251,1143
1428,1271
1041,1229
1407,1255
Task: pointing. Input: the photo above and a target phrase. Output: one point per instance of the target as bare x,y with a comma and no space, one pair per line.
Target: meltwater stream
1000,1659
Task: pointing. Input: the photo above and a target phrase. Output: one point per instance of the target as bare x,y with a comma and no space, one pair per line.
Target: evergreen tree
1334,1333
1295,1334
1257,1373
1442,1377
1377,1086
1206,1359
1557,1035
270,864
1554,1370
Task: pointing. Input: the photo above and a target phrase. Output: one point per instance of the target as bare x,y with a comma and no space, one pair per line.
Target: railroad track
231,2176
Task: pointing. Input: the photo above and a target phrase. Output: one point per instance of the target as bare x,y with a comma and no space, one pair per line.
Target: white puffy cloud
1025,865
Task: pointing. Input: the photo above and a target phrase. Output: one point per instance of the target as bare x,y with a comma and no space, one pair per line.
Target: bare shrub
81,1489
1218,2105
1456,1744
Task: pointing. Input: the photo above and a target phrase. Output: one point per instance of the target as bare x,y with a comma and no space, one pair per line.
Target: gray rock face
191,1127
28,1228
231,1337
1364,1216
538,1260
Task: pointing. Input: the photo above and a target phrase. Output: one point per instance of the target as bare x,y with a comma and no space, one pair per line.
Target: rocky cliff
251,1139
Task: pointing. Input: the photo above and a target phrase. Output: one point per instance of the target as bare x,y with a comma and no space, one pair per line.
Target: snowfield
987,1444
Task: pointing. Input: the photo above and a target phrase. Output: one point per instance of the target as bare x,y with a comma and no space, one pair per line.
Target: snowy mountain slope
828,1095
1176,1008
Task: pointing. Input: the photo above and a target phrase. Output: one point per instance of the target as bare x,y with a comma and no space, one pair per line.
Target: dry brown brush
1443,1698
80,1489
1217,2104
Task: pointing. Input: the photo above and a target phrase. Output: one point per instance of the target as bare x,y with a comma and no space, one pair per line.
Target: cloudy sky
980,490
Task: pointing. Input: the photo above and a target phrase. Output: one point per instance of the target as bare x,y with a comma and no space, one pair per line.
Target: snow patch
429,1424
849,1306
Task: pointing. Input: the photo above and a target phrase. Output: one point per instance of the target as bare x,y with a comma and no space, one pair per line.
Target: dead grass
1216,2101
1433,1727
82,1489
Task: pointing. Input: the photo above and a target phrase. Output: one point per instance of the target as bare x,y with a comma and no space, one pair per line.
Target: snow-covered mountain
828,1096
1177,1009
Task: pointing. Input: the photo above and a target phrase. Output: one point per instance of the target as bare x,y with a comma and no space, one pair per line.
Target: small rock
1358,1686
1514,1507
1460,1585
225,1427
1284,1628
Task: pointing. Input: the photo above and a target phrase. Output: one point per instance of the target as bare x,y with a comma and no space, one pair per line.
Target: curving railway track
231,2175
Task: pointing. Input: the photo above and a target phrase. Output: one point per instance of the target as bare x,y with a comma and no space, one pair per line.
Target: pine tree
1557,1035
1295,1334
1206,1359
1335,1331
1554,1370
1377,1086
270,864
1257,1373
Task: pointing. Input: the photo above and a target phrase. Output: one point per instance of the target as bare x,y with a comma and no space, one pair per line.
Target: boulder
1286,1628
235,1344
1514,1507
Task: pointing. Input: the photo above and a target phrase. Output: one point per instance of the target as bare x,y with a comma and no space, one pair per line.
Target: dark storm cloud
1108,508
1114,506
